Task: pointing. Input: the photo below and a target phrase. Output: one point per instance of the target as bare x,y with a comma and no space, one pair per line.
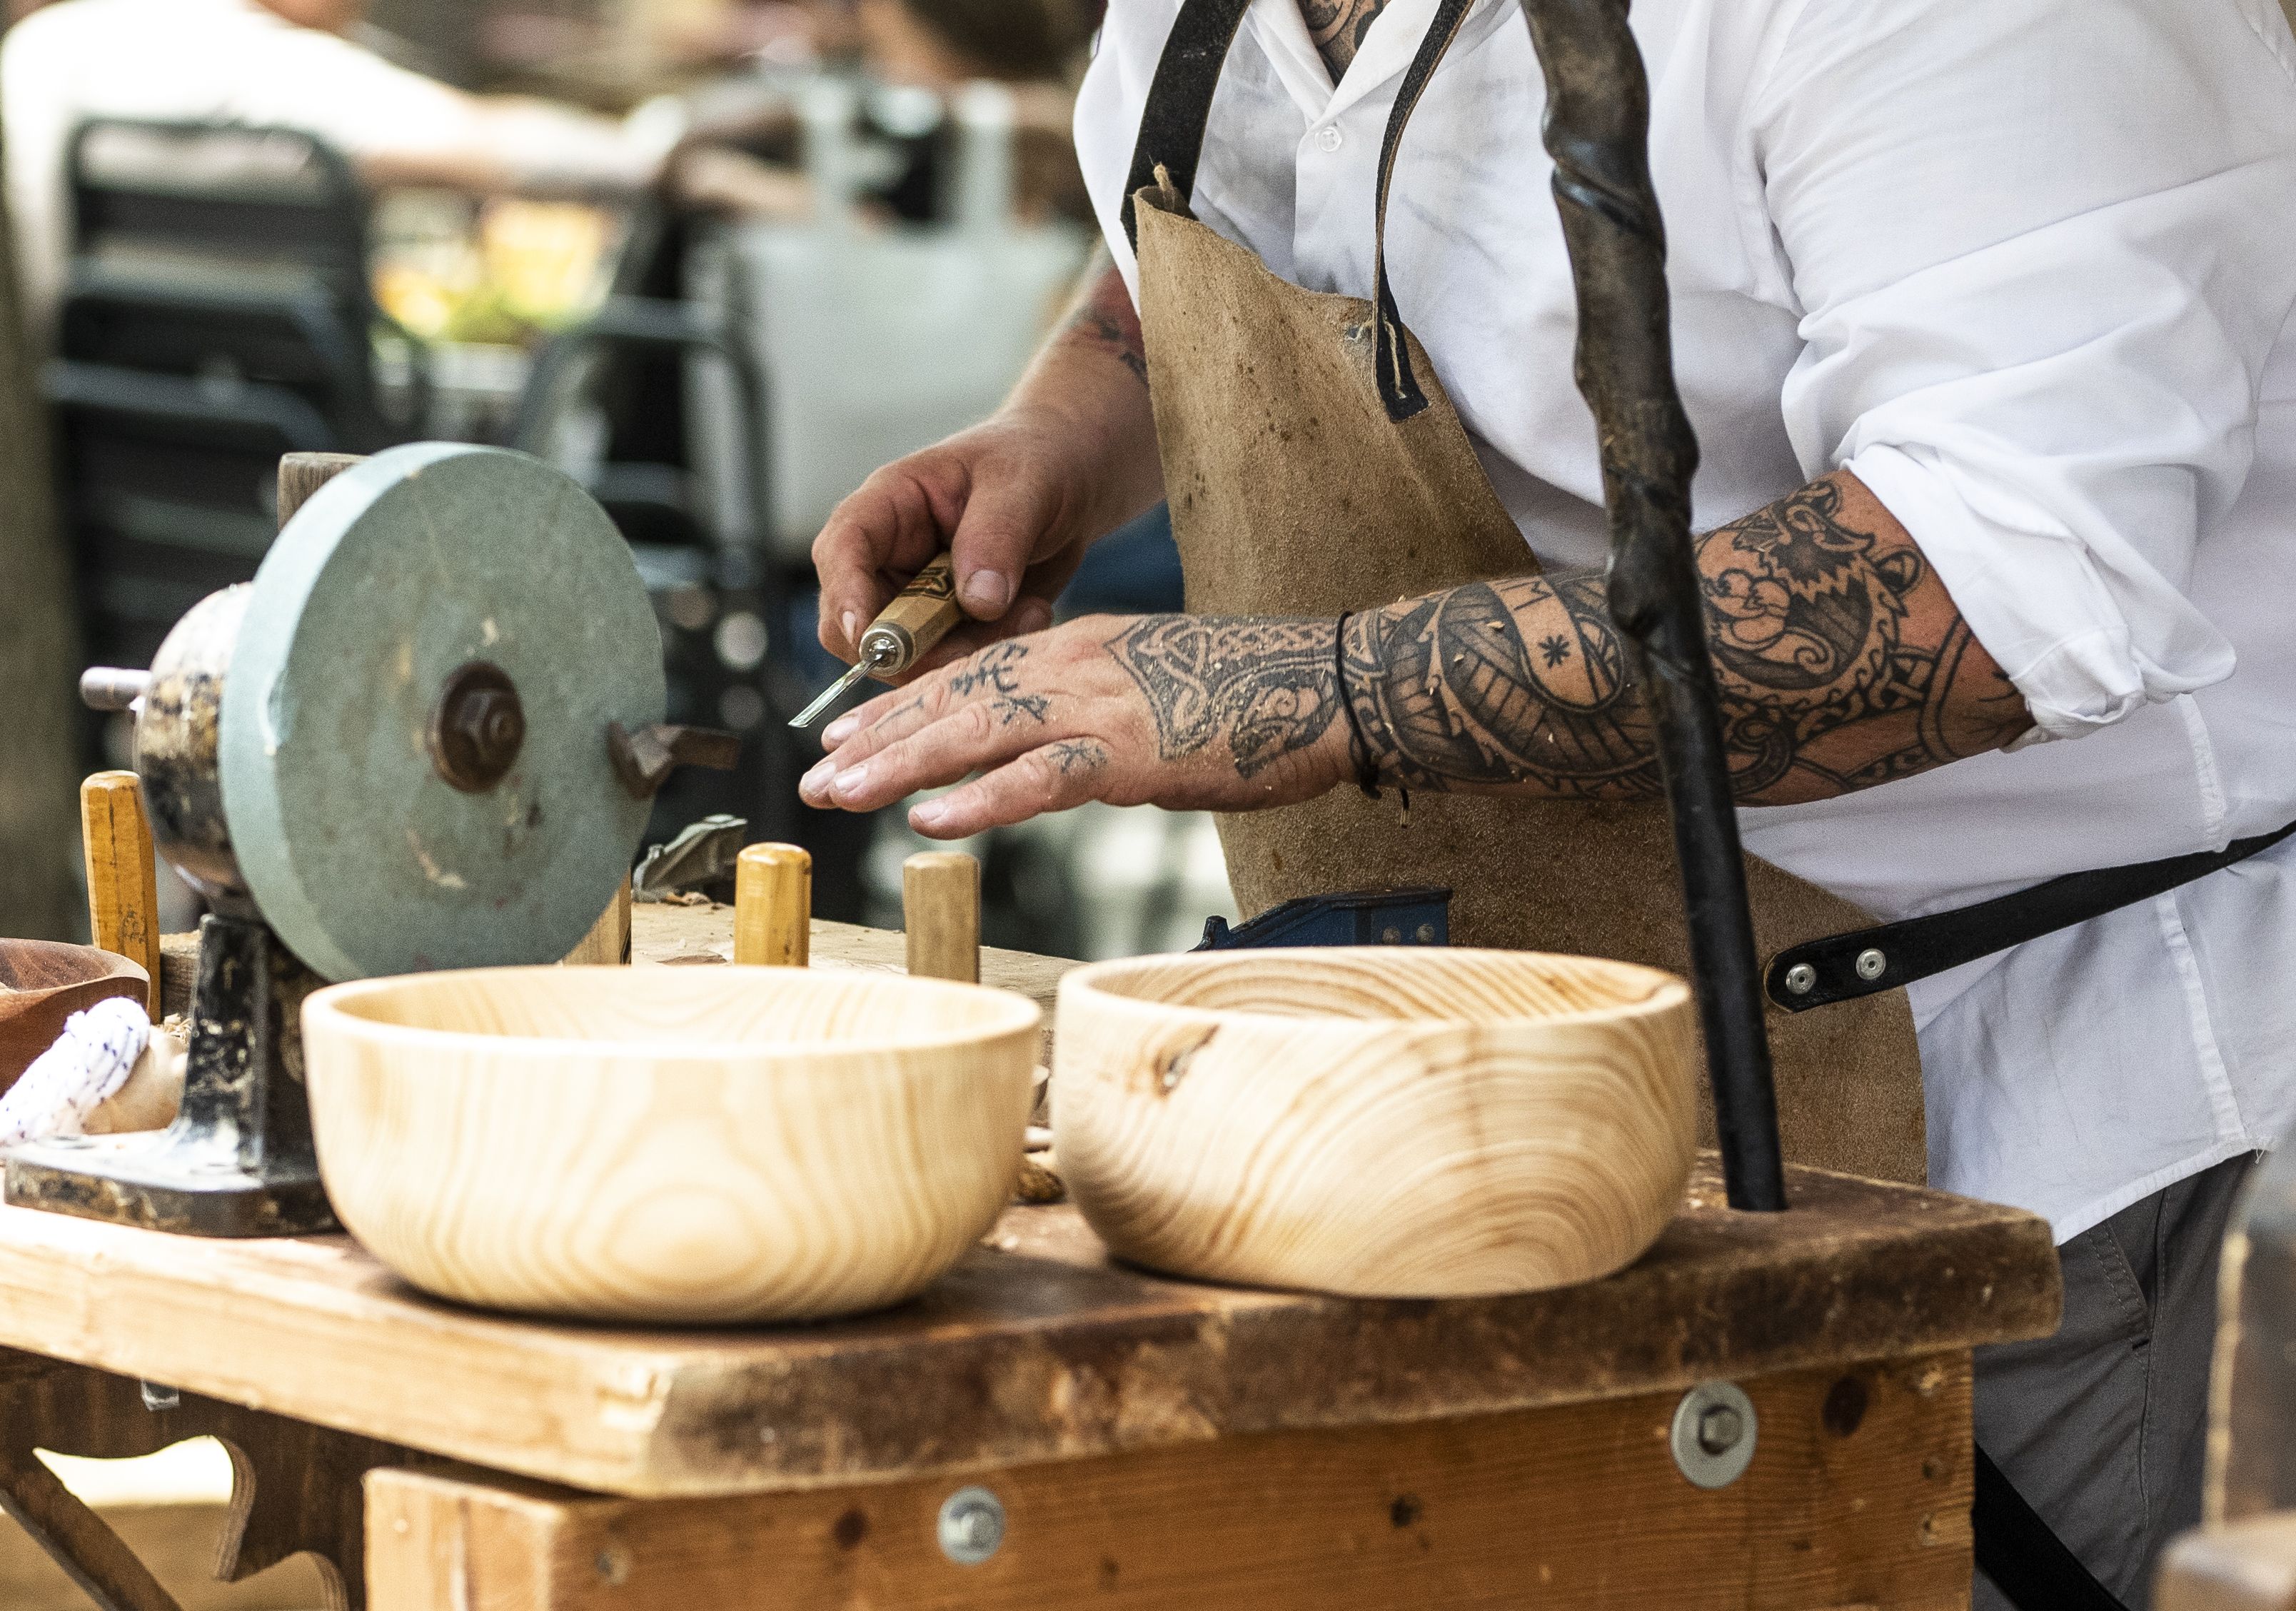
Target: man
1979,314
275,62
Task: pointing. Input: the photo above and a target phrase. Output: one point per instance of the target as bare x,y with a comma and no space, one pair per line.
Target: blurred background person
284,63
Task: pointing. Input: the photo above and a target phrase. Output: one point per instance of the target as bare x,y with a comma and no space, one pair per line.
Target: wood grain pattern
941,913
43,984
773,907
1378,1122
123,891
671,1146
302,474
1036,1347
1578,1507
608,942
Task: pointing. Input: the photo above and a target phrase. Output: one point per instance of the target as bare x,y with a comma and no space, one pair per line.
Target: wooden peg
301,474
608,942
123,891
773,907
940,899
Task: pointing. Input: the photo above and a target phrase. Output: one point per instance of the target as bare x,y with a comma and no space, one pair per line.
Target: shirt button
1329,136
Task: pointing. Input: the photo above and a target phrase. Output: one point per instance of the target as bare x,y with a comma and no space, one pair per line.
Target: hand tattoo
1010,708
1267,688
1338,26
994,668
1824,688
1102,319
1074,755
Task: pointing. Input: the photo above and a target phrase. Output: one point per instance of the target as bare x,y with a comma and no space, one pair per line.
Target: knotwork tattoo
1263,689
1824,689
1338,28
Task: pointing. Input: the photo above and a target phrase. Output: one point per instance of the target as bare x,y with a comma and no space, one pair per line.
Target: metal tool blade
837,690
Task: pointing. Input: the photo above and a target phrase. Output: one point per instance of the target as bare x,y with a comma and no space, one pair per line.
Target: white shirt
234,61
2024,268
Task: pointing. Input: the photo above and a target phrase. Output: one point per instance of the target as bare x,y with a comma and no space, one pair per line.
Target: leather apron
1292,492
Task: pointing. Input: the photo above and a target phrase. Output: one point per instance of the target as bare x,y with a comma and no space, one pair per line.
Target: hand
1176,711
1016,499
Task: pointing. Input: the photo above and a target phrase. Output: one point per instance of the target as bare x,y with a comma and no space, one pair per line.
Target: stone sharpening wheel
427,736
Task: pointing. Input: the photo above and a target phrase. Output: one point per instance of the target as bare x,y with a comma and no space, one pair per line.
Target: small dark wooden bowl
41,985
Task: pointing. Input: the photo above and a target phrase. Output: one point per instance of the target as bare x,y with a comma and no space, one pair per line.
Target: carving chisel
912,625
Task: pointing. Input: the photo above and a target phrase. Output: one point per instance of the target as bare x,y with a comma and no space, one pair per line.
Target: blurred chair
217,314
609,401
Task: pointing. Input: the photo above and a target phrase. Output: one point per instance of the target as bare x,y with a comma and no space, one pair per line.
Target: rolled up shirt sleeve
2037,303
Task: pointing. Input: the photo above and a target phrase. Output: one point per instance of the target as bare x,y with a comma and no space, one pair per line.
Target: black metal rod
1597,131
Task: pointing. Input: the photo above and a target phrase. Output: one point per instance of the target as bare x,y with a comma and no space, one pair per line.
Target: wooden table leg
296,1489
1857,1496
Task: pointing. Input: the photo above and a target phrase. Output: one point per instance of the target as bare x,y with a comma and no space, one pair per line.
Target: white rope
80,1073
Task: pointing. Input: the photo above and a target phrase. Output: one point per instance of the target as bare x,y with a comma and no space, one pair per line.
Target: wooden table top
1034,1348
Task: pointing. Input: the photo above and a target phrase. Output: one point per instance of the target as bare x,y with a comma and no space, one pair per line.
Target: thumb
1005,521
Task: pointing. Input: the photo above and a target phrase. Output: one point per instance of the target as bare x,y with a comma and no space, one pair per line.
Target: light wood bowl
703,1145
1376,1123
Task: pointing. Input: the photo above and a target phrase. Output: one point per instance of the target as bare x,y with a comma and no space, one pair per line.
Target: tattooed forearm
1841,662
1102,319
1338,26
1262,689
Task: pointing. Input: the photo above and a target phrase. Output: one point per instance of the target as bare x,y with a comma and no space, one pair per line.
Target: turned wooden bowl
43,984
687,1145
1376,1123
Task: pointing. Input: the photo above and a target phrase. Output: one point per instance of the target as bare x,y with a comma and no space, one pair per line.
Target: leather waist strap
1870,961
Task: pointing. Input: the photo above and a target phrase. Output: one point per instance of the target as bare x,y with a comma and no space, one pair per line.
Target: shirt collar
1387,52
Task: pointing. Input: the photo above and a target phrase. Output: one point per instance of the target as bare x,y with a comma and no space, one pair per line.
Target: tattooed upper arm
1102,319
1841,662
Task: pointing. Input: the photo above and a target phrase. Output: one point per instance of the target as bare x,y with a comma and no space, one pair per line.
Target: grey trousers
2103,1427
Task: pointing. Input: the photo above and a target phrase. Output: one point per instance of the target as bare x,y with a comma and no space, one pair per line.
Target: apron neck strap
1180,102
1172,142
1399,387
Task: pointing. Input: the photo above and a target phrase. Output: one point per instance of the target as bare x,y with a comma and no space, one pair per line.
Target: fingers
1055,778
970,738
876,539
1006,516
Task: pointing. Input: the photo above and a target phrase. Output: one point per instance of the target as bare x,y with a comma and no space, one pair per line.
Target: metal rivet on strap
1871,964
1801,979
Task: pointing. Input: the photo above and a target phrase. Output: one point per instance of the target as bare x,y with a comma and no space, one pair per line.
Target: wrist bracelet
1358,746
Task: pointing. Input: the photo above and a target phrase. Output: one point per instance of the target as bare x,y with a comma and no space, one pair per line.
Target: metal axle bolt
1714,1433
971,1526
1719,1428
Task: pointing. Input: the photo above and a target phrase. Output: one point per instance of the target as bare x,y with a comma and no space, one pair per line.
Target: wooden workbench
1152,1443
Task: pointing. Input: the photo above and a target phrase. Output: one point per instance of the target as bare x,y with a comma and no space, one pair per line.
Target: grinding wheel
414,746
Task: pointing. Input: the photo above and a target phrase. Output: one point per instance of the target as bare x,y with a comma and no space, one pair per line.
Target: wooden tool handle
914,624
773,907
301,474
123,893
940,898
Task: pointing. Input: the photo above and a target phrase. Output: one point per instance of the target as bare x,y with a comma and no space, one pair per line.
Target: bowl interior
1391,985
668,1010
